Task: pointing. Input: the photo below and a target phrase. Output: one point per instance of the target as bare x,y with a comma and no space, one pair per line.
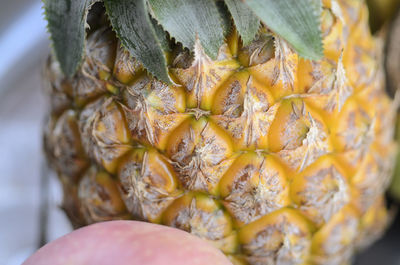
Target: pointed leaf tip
66,24
131,21
246,22
296,21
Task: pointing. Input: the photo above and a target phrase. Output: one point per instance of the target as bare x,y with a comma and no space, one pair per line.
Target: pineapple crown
144,27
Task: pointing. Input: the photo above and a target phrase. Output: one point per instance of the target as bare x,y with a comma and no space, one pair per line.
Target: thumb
127,243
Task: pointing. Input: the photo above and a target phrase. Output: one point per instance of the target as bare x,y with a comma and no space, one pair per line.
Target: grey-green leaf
187,19
161,35
131,22
317,6
66,23
296,21
226,17
246,22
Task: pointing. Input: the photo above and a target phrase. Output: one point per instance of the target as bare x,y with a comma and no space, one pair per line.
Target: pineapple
272,158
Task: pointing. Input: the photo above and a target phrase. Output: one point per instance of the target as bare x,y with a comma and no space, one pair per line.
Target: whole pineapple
272,158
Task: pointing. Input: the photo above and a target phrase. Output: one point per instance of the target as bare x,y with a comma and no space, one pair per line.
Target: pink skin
127,243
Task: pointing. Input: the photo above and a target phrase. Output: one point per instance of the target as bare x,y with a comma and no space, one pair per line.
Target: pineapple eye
321,190
126,68
203,217
254,186
147,174
281,236
341,231
100,198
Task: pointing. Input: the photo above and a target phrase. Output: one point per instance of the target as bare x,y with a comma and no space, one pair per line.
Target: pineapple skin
271,158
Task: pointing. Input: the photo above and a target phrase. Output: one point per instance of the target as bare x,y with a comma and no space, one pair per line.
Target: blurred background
24,44
26,184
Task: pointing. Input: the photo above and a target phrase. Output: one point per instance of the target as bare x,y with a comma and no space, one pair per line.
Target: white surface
22,111
21,35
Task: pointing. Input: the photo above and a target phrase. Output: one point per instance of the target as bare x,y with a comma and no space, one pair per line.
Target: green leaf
226,17
131,22
296,21
317,6
66,23
161,35
246,22
187,19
